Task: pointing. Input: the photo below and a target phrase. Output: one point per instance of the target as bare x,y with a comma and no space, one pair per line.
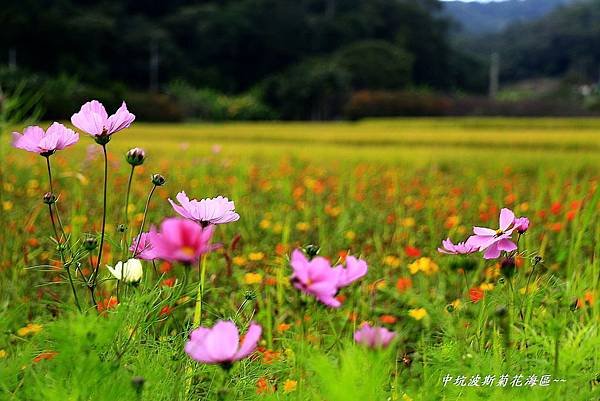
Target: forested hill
562,43
477,18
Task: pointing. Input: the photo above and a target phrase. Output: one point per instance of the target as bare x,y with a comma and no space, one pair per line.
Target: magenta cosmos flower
142,246
221,344
317,278
181,240
217,210
462,248
374,337
34,139
93,119
493,242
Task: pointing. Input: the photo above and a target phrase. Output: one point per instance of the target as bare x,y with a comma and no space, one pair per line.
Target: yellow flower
3,354
408,222
264,224
239,260
7,205
457,304
392,261
350,235
486,286
252,278
302,226
256,256
278,228
31,328
405,397
417,314
424,265
289,386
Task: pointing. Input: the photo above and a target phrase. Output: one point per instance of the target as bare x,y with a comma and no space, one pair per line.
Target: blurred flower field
385,191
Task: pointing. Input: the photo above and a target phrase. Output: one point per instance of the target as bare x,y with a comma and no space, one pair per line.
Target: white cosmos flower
129,272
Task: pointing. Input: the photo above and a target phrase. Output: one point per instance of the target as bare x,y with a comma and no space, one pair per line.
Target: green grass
372,188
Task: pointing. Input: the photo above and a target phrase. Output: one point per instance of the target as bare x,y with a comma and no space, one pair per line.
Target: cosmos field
385,191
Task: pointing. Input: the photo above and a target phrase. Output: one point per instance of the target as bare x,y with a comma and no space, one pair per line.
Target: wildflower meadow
417,260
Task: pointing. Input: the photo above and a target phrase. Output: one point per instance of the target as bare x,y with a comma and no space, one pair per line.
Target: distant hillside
477,18
564,43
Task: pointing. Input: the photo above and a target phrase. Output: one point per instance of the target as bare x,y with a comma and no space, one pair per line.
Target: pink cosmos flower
374,337
34,139
217,210
181,240
462,248
522,225
316,277
93,119
143,249
494,241
354,270
221,344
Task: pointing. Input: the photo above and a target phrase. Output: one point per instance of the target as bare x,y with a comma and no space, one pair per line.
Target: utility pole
154,60
494,75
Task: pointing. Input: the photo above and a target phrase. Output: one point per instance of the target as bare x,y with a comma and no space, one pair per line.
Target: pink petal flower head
217,210
34,139
522,225
221,344
316,277
181,240
142,246
462,248
355,269
374,337
495,241
93,119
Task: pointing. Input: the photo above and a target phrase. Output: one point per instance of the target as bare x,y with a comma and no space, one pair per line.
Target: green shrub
314,90
375,64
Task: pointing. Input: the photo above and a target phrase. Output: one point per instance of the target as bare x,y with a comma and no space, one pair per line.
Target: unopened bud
312,250
135,156
121,228
90,243
158,180
49,198
508,267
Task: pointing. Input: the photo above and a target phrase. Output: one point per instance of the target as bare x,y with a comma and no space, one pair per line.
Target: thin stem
200,295
58,238
137,240
95,275
126,209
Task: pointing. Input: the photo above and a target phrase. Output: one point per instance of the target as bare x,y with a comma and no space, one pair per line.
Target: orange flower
403,284
107,304
556,207
263,386
165,267
165,311
289,386
283,327
169,282
556,227
571,215
388,319
45,356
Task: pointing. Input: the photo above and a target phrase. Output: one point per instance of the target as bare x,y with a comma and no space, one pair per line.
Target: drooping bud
49,198
508,267
135,156
90,243
158,180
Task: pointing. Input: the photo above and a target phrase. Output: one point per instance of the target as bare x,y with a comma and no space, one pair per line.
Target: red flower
556,207
165,311
476,294
403,284
107,304
412,252
169,282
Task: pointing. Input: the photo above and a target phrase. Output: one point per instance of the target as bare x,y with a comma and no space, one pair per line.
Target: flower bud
135,156
311,250
508,267
521,225
49,198
121,228
158,180
90,243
